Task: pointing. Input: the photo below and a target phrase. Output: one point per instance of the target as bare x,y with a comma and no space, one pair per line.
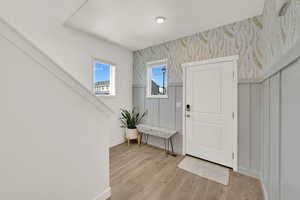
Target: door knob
188,116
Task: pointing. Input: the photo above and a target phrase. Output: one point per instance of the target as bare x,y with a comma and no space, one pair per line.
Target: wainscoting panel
290,133
152,108
244,130
162,112
269,136
167,110
179,104
168,113
255,127
249,129
274,137
266,133
280,108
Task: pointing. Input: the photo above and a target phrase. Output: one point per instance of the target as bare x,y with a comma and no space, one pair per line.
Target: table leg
168,146
147,138
139,139
171,144
165,142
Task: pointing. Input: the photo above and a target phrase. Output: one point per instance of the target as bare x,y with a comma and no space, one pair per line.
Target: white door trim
233,59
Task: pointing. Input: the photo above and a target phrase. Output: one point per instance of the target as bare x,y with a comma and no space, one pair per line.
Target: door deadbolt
188,107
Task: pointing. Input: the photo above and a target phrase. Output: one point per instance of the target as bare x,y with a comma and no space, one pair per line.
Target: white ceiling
131,23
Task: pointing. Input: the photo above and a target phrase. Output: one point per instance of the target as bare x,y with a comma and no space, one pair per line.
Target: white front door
210,89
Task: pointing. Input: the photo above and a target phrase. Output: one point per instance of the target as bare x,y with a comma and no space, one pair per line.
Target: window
104,78
157,74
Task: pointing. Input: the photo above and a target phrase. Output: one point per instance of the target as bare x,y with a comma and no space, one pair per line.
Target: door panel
212,134
209,127
208,101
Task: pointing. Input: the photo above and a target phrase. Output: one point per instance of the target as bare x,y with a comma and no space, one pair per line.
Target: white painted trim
149,65
157,97
264,189
180,84
112,77
24,45
256,81
235,120
103,61
286,59
175,84
170,84
183,111
104,195
210,61
233,59
157,62
249,172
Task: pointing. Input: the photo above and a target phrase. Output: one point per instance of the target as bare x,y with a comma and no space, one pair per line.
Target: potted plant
129,120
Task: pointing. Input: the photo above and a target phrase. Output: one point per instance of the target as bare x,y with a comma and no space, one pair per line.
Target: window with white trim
104,78
157,79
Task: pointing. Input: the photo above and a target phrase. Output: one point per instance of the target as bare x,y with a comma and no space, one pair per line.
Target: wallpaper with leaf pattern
279,33
259,41
240,38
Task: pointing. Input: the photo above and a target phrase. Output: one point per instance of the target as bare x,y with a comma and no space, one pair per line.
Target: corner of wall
250,172
104,195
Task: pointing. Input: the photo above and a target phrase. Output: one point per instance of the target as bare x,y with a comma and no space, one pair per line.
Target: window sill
106,96
158,97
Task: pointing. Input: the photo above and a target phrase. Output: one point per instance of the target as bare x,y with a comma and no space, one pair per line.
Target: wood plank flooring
145,173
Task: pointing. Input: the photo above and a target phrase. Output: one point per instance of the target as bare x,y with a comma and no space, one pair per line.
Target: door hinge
233,75
232,115
232,156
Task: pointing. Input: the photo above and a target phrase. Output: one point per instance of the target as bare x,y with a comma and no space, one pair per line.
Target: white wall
53,142
41,22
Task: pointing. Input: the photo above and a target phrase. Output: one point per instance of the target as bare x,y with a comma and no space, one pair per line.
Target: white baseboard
265,193
257,175
117,142
104,195
249,172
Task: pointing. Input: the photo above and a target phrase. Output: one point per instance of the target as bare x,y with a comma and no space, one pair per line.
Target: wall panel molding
168,113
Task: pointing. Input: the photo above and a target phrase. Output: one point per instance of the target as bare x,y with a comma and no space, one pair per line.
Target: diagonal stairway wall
42,23
53,135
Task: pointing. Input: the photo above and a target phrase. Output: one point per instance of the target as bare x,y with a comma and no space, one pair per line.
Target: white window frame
150,65
112,85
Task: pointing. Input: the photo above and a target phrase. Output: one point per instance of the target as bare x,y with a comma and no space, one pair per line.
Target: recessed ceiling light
160,20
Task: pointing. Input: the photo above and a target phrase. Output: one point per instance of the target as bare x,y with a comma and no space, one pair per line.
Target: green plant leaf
131,119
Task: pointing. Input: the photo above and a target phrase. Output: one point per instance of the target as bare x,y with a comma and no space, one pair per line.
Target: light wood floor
145,173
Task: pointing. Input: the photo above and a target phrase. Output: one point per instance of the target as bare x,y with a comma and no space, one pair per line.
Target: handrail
28,48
